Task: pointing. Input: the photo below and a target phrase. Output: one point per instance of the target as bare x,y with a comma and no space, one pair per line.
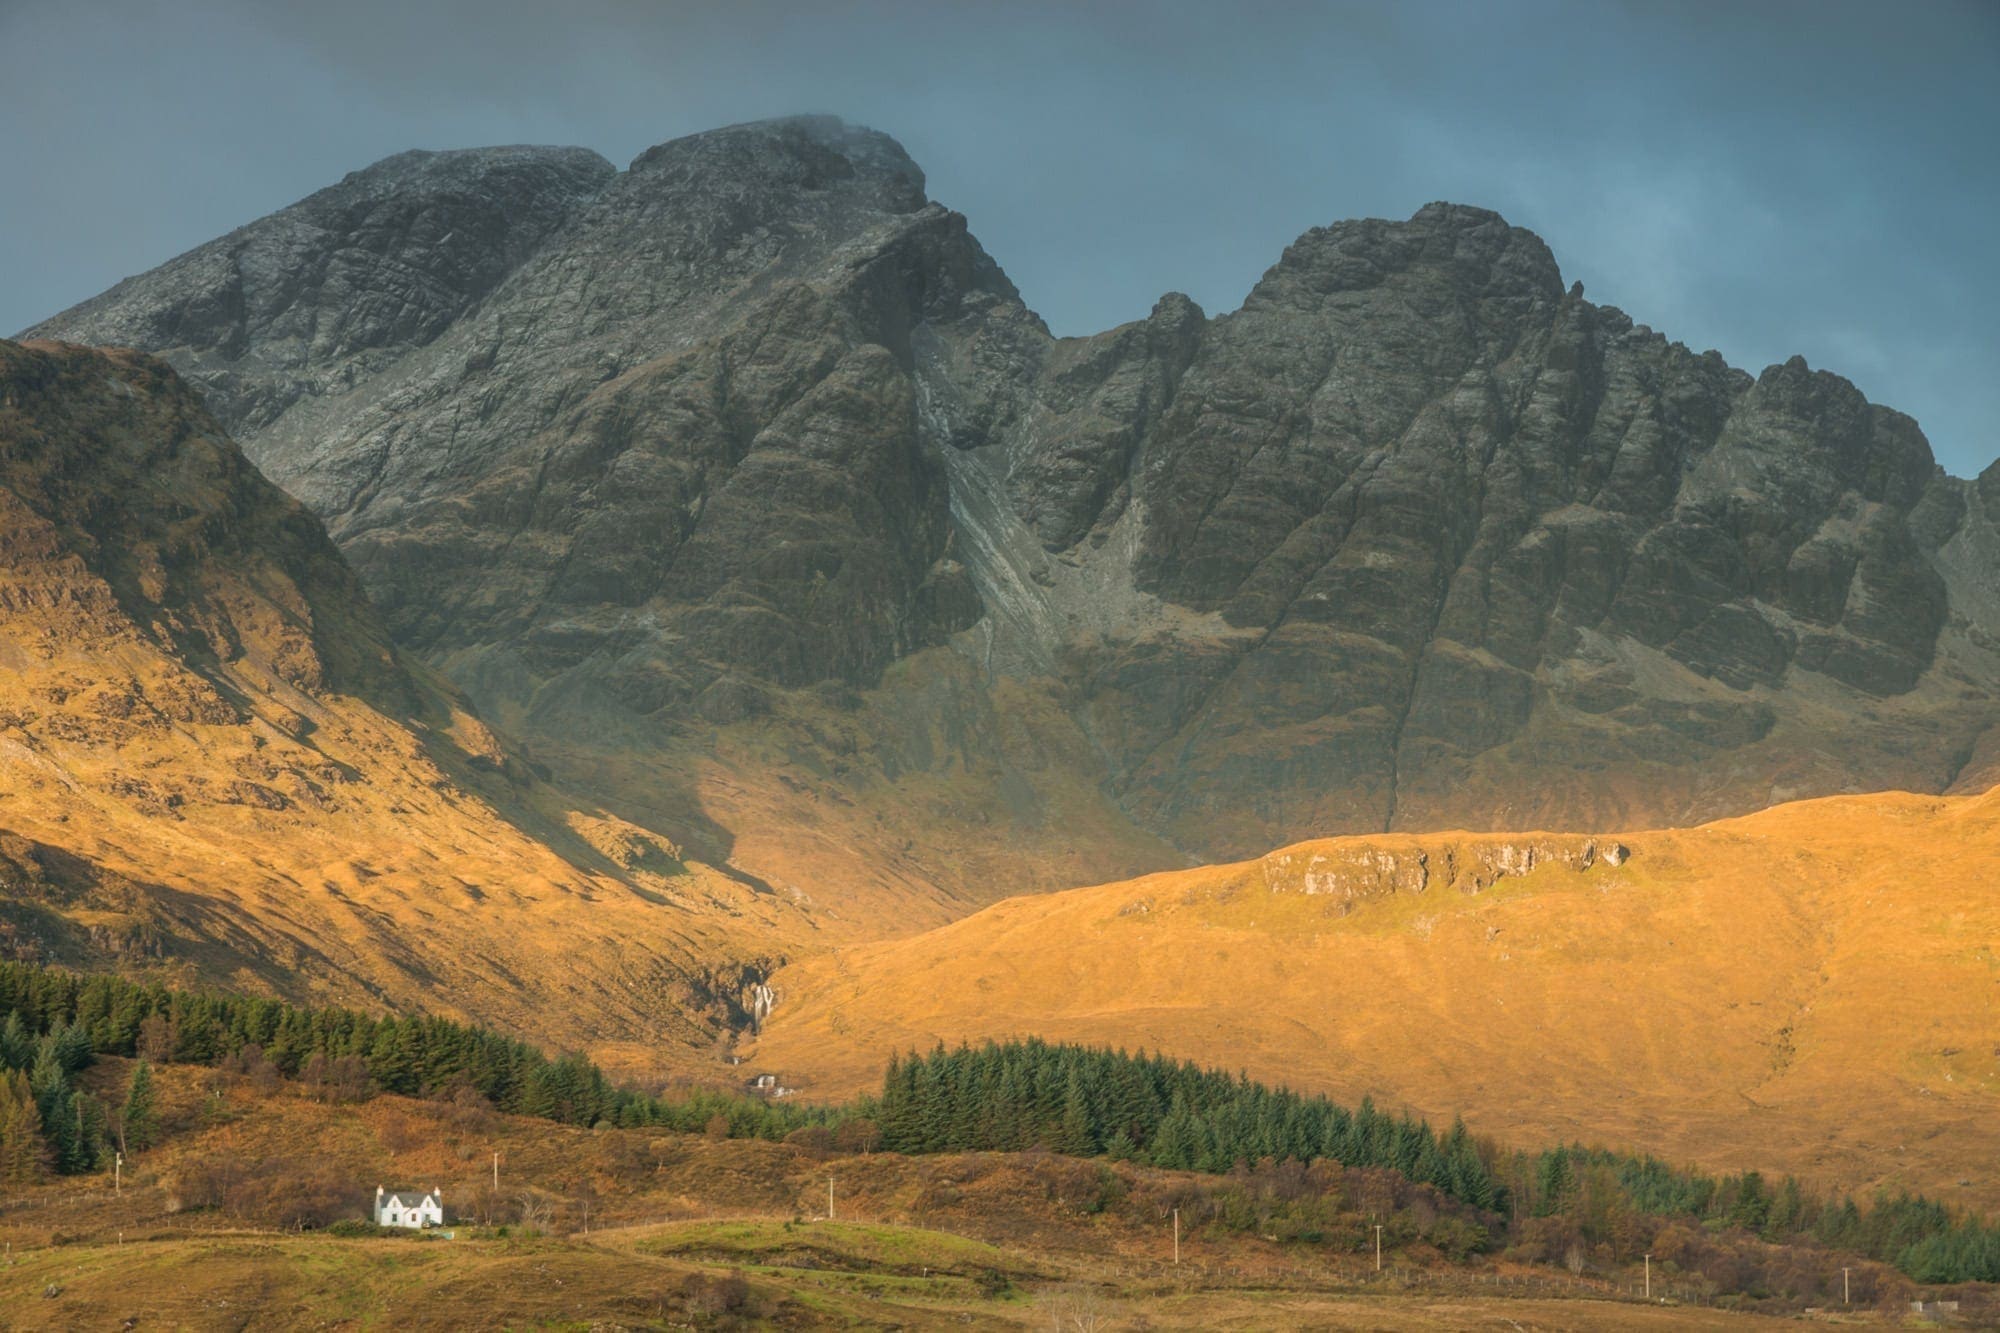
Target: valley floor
633,1229
811,1275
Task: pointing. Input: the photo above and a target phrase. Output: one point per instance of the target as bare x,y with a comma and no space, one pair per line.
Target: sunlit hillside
214,765
1815,988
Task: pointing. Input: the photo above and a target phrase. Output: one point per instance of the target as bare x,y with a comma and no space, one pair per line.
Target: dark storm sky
1764,179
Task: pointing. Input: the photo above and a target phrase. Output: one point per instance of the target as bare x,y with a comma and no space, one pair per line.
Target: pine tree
48,1079
900,1122
392,1058
1212,1150
86,1136
24,1153
1553,1183
933,1132
17,1047
141,1115
1073,1134
54,1106
1132,1111
72,1047
1753,1202
1177,1143
1787,1213
1468,1177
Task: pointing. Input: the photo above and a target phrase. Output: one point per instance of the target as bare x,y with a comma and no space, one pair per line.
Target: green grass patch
853,1247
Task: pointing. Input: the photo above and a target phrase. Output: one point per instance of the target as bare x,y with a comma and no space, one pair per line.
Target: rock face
1349,872
743,485
313,299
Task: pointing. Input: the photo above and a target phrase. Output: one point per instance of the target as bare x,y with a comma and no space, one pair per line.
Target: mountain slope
1814,987
744,488
213,761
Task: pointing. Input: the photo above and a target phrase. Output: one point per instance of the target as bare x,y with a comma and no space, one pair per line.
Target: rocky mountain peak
757,467
525,169
1443,246
813,152
345,281
1176,310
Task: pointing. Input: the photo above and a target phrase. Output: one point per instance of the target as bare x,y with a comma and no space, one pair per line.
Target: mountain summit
743,486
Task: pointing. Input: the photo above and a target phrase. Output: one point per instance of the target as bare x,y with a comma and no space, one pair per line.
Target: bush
286,1193
272,1191
859,1135
715,1293
814,1141
1458,1238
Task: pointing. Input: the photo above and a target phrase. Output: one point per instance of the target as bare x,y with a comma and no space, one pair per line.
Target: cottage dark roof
406,1198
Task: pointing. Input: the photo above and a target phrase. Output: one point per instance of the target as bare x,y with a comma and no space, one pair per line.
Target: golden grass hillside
213,763
1813,989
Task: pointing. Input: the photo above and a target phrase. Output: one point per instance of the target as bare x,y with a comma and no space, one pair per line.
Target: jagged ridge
754,497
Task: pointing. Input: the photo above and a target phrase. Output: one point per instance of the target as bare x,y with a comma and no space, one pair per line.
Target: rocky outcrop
1349,872
742,484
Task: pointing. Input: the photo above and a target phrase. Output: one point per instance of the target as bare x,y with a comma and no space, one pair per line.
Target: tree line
47,1123
1164,1113
1006,1097
1599,1197
1154,1110
53,1023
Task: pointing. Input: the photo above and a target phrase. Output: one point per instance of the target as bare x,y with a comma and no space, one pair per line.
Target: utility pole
1177,1235
1843,1288
1378,1247
118,1173
829,1198
496,1173
1649,1277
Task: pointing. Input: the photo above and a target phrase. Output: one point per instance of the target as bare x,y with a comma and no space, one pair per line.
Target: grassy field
808,1275
689,1231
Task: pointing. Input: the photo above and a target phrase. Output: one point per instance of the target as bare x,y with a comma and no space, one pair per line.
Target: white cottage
406,1208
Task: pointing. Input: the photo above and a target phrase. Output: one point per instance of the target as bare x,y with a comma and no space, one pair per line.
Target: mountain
215,764
742,486
1813,987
